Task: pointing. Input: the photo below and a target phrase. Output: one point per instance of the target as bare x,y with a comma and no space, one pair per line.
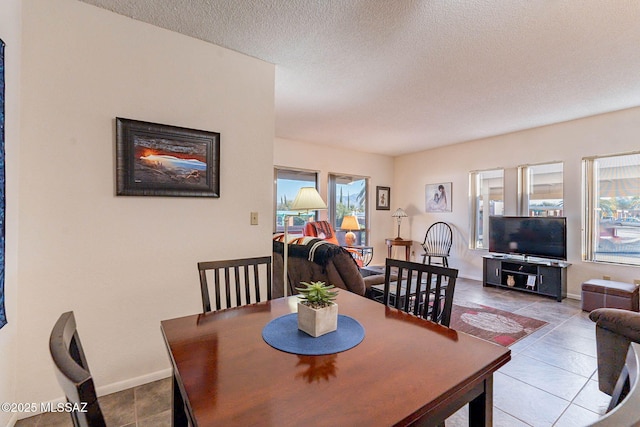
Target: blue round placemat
283,333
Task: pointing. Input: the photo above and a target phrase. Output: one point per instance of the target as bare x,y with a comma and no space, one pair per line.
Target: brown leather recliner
615,329
332,264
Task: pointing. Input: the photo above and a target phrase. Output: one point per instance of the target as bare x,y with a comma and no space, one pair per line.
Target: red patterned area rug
491,324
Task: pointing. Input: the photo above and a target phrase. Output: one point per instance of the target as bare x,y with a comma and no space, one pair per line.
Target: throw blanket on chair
323,229
315,250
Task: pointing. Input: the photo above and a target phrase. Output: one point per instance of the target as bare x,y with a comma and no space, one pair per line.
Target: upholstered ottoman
374,275
598,293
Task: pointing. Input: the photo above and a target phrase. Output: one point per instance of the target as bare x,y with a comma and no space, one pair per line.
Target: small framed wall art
383,196
161,160
438,197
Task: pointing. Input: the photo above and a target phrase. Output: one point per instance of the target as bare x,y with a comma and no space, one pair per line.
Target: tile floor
550,380
148,405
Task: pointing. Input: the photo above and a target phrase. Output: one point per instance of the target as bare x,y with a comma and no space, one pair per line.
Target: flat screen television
544,237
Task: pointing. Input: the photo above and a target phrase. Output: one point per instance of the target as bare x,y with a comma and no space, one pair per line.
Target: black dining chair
73,373
240,284
420,289
437,243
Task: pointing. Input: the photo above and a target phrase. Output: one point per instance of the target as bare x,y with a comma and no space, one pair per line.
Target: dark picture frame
383,198
161,160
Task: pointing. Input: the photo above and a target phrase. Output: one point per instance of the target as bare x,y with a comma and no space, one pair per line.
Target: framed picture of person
383,194
438,197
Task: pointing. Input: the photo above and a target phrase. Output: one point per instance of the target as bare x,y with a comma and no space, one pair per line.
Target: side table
399,242
364,253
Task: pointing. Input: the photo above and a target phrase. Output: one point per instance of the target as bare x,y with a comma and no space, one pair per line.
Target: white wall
326,160
10,12
125,263
568,142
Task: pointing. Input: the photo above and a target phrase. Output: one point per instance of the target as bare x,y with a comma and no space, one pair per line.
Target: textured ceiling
395,77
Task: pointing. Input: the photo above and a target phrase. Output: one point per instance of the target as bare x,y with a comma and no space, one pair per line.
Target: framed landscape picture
383,195
438,197
161,160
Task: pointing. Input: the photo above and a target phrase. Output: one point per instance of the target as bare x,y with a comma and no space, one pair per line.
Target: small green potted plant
317,311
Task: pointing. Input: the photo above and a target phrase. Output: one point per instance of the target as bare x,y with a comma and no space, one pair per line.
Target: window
486,189
287,183
349,195
611,209
541,190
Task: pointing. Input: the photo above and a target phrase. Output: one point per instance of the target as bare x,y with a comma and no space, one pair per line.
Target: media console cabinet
547,278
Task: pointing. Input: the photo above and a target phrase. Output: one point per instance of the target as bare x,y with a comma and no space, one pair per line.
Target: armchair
323,230
615,330
624,411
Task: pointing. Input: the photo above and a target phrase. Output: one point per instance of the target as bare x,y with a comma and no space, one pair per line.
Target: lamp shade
308,199
399,213
350,222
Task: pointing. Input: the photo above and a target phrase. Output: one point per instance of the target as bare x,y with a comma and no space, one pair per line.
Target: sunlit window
348,195
287,183
486,193
611,214
541,190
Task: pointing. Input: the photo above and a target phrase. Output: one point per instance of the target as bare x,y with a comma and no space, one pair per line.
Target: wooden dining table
406,371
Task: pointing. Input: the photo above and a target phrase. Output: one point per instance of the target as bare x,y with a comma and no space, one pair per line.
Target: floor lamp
307,199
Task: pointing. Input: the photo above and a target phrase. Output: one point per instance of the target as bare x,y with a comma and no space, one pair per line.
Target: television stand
548,278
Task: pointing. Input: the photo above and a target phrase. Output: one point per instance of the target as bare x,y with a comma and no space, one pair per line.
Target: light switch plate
254,218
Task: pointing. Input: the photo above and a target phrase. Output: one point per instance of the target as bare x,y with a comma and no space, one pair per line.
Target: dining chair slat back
72,372
420,289
237,282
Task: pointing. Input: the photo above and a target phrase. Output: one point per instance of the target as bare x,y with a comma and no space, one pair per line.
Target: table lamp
399,214
350,223
307,199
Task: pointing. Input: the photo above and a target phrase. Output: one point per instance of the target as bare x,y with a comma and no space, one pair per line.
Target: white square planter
317,322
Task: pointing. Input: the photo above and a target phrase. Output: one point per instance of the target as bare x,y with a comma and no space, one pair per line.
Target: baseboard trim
12,420
133,382
104,390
